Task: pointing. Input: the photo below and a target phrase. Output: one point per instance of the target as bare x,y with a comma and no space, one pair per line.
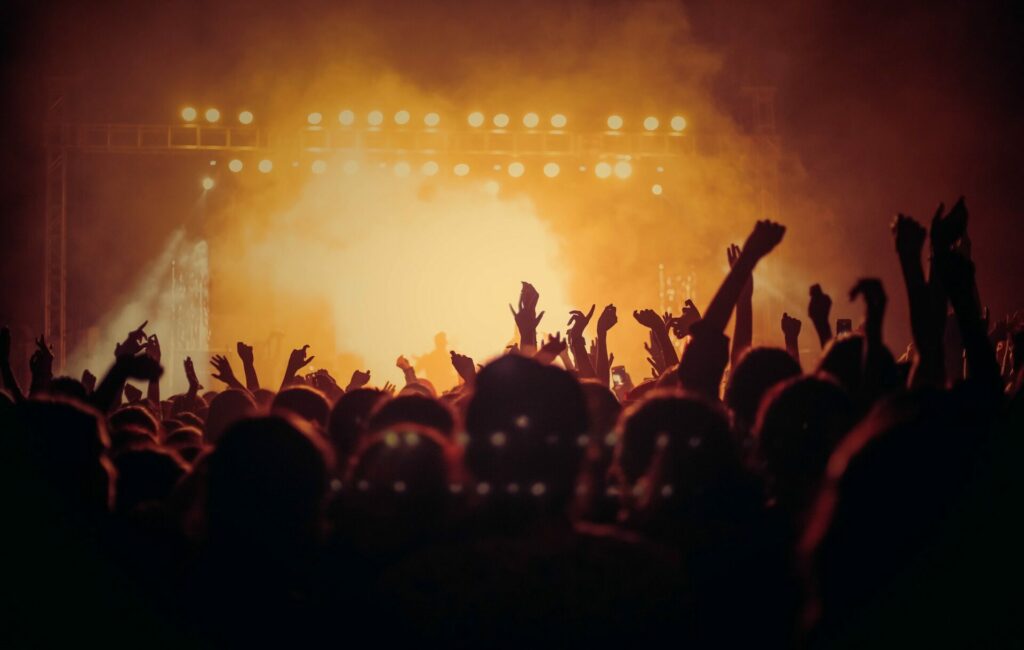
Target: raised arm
743,328
297,360
659,334
410,374
875,354
791,332
465,367
606,321
252,382
224,371
41,365
764,238
527,318
577,344
818,310
926,321
153,386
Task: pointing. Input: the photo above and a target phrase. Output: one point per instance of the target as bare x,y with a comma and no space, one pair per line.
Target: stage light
431,119
497,168
583,168
346,117
501,120
659,169
235,165
213,163
188,113
603,170
429,168
314,118
476,118
650,123
319,167
492,187
558,121
402,169
212,115
208,183
678,123
516,169
461,169
614,122
245,117
375,118
350,167
623,169
402,117
531,120
265,166
551,169
656,189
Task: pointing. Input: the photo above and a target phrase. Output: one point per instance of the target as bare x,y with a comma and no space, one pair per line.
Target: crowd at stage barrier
739,496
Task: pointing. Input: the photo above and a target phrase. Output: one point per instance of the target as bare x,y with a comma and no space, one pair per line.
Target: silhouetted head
349,420
187,442
756,372
798,427
146,476
399,487
130,436
58,448
525,424
306,402
418,409
137,416
267,479
227,408
843,359
67,387
263,398
419,387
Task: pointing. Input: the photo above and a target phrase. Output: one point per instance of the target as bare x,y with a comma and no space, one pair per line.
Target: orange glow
558,121
678,123
651,123
346,117
531,120
475,119
235,165
245,117
614,122
188,114
212,115
265,166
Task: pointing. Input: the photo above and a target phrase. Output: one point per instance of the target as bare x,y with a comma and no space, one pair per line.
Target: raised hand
41,365
527,317
244,352
132,343
790,326
648,318
464,366
874,299
909,237
607,319
388,388
578,321
733,255
132,394
402,363
765,237
358,380
681,326
152,348
224,372
190,373
818,310
88,381
553,346
947,229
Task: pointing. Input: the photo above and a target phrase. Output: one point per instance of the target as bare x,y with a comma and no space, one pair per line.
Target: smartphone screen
844,325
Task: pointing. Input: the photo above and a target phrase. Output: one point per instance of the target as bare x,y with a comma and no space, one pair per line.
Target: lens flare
208,183
656,189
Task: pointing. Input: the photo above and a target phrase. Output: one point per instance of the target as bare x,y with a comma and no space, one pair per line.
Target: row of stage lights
622,169
475,119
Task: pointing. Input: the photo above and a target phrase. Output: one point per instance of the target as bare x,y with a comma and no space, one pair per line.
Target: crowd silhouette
737,497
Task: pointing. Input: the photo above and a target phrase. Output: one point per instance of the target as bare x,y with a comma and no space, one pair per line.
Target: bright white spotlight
265,166
551,169
614,122
492,187
245,117
235,165
431,119
516,169
678,123
402,117
650,123
476,118
375,118
602,170
402,169
656,189
188,113
212,115
461,169
623,169
319,166
531,120
346,117
429,168
558,121
501,120
208,183
350,167
314,118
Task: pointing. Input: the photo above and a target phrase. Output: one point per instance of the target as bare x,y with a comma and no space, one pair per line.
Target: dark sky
883,107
